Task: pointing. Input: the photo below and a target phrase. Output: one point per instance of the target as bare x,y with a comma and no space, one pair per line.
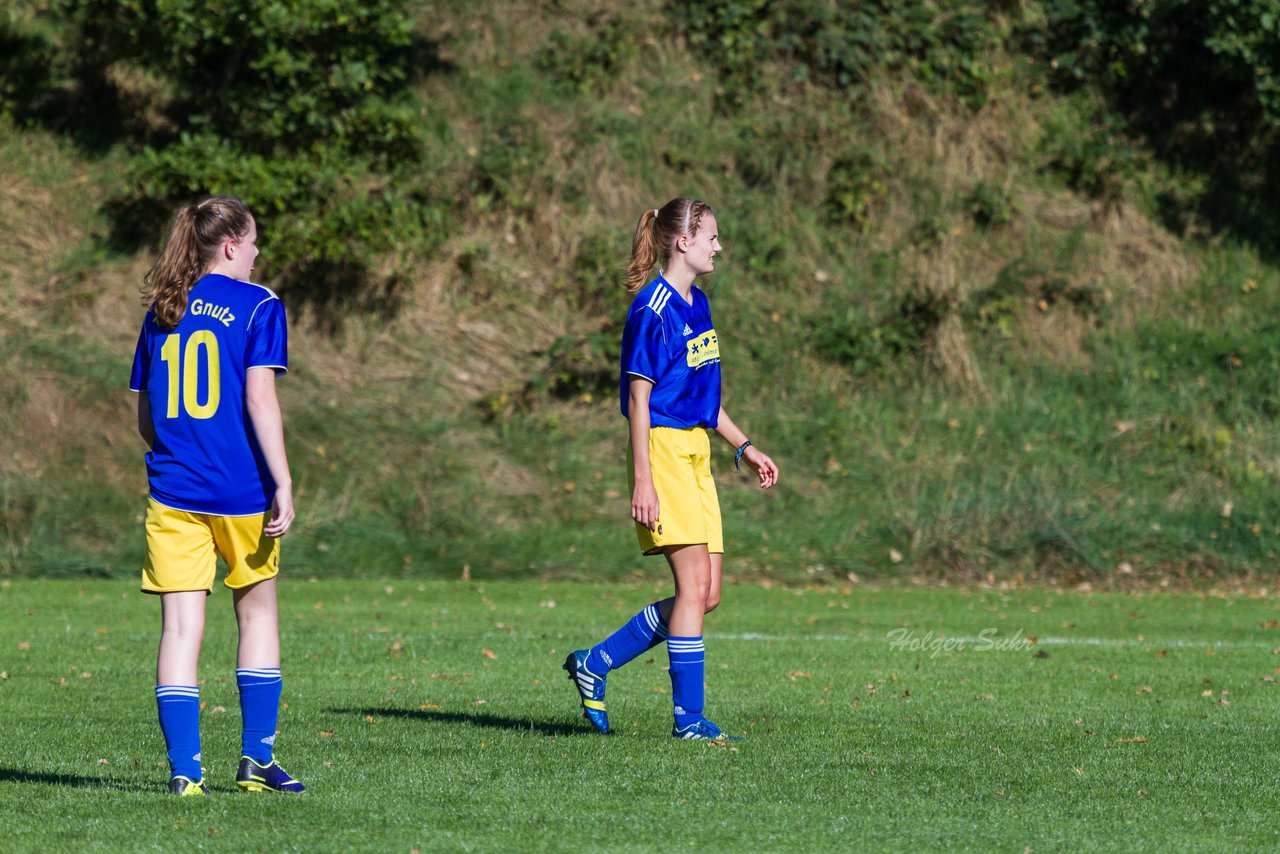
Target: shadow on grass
480,719
12,775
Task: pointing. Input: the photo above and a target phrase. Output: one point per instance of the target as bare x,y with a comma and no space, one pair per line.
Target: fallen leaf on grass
489,654
1137,739
480,701
799,674
370,719
218,710
24,645
1079,770
327,733
657,690
1145,689
102,762
430,707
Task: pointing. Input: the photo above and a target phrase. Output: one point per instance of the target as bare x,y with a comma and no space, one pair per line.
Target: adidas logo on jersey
687,330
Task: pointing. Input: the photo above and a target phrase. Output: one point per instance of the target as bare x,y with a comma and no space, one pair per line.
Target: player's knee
696,594
713,599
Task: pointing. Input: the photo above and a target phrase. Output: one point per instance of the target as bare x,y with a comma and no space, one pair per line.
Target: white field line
1115,643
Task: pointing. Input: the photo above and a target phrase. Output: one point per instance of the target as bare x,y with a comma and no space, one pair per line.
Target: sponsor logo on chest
702,349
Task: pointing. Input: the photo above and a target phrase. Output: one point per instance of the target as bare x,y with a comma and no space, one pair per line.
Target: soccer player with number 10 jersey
205,371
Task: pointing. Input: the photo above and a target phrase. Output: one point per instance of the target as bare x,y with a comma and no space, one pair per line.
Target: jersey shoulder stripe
661,296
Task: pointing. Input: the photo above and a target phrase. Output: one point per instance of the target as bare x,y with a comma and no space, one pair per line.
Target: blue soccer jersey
205,458
673,345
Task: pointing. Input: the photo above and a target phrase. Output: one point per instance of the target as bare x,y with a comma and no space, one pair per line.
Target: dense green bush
301,108
273,77
26,74
1199,80
943,43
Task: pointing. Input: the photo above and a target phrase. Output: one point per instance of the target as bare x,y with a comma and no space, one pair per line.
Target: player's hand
765,467
281,513
644,505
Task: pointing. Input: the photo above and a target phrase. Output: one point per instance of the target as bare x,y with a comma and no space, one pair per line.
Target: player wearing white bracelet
670,394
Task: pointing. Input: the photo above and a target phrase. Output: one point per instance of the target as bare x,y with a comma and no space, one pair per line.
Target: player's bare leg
259,621
666,606
181,632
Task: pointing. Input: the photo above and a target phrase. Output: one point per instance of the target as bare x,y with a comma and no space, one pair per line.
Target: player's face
700,250
245,249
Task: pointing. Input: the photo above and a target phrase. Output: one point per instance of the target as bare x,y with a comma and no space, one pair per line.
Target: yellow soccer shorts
688,508
183,550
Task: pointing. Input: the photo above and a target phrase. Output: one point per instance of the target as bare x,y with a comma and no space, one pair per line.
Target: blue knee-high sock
259,711
642,632
179,708
687,656
659,628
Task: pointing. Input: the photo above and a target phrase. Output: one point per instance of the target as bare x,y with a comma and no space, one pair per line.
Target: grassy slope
435,717
1063,441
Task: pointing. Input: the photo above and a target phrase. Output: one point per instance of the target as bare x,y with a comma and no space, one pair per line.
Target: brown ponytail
192,242
657,231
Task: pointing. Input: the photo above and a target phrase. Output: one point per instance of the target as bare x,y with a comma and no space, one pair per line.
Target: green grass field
435,717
